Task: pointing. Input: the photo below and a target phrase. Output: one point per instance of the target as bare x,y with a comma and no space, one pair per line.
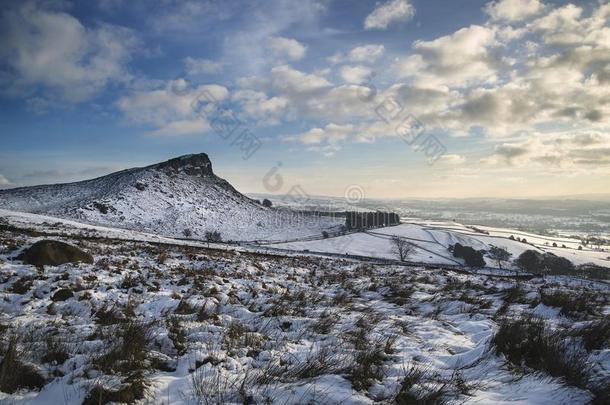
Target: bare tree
499,254
402,248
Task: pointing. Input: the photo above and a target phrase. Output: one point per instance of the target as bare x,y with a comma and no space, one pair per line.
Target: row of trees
364,220
530,261
473,258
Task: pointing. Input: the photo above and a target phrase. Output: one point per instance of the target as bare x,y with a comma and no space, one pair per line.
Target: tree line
366,220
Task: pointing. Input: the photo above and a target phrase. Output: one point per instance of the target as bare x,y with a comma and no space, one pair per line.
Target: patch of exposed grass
527,341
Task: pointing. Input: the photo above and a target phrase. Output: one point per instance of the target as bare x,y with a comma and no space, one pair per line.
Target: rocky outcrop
193,165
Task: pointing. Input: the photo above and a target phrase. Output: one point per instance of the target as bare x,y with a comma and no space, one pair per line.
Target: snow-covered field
160,323
432,240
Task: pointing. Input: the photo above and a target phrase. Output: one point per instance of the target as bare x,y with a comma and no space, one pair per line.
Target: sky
388,99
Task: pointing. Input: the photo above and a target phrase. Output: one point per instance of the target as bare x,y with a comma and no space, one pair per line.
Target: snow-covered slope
431,242
179,325
165,198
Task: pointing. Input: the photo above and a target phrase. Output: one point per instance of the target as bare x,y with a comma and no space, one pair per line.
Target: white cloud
459,59
51,50
355,74
287,80
341,103
4,181
195,66
182,127
256,104
331,134
564,150
469,81
183,15
513,10
308,95
565,26
174,109
388,13
245,47
452,159
360,54
562,25
366,53
287,47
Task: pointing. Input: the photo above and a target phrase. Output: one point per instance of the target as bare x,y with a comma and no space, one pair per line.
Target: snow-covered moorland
158,323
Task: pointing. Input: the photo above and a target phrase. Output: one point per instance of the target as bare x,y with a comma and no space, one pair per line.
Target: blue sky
506,98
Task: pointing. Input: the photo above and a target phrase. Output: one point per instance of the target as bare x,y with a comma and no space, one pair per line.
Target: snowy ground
185,324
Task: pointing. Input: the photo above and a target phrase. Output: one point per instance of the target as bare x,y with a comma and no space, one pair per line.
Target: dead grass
528,342
367,368
15,374
420,387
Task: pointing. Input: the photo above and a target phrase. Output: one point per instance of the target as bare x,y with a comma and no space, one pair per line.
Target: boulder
53,253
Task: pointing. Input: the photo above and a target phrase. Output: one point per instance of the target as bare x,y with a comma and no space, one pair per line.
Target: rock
54,253
62,294
102,208
193,165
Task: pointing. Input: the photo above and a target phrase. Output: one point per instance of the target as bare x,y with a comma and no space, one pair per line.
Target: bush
267,203
530,261
557,265
213,237
593,271
128,352
571,304
537,263
22,285
472,257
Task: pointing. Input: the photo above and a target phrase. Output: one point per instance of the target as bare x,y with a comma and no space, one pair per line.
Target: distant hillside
165,198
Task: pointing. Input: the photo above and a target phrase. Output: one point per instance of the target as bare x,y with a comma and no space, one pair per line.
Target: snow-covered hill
165,198
431,241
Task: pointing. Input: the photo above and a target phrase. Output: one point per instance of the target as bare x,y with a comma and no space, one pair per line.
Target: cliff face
192,165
